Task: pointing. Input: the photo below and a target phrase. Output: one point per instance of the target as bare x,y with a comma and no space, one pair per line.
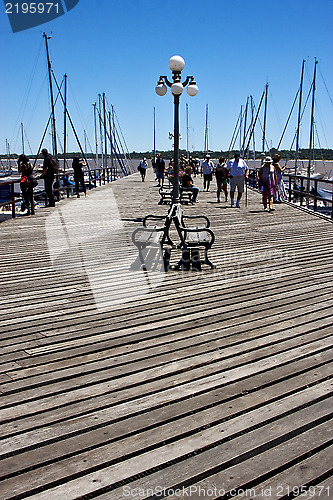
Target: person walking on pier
78,176
143,168
222,178
160,169
239,172
267,181
48,176
27,183
207,172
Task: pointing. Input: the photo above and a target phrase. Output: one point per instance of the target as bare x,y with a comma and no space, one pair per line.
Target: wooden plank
183,415
113,474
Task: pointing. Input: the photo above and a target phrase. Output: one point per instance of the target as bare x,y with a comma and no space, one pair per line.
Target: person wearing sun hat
267,181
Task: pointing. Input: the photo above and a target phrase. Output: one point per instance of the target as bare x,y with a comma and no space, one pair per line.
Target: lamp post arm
165,79
188,78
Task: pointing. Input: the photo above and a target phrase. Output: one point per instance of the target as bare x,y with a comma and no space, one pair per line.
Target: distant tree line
317,154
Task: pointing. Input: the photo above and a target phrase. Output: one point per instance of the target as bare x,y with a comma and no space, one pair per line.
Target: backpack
54,164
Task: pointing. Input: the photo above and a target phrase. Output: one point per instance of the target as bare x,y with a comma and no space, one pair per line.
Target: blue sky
232,47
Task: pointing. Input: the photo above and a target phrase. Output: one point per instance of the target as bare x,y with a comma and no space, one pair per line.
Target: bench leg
207,261
185,261
166,259
195,259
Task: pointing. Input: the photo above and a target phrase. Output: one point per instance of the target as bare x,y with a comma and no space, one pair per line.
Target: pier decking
116,383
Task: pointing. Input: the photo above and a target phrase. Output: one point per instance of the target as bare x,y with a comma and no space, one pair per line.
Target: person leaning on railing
27,183
77,165
280,194
48,176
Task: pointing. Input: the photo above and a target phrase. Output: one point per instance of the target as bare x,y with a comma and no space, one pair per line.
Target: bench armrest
197,230
196,217
145,230
152,217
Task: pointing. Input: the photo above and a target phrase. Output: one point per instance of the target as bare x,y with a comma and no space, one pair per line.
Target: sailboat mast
100,126
244,129
265,116
114,134
299,116
65,120
254,123
206,131
111,142
240,128
252,118
85,142
96,139
312,117
22,135
8,154
54,134
105,132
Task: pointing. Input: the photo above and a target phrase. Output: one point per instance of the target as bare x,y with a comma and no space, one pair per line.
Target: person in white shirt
207,171
238,172
143,168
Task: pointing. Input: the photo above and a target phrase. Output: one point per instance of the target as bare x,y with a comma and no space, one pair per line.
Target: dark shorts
160,175
224,182
208,177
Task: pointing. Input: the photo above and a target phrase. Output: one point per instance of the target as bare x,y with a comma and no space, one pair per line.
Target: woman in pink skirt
267,183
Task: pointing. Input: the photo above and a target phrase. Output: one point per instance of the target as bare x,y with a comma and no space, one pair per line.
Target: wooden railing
8,196
97,177
305,192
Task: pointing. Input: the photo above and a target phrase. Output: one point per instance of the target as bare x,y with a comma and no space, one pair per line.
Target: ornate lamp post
176,64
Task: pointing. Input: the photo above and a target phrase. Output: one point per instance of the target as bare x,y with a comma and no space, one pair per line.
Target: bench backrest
179,215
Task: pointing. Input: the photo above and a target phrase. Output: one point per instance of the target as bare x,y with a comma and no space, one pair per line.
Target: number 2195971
31,8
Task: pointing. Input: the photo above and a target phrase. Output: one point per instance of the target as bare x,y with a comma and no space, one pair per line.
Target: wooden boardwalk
120,384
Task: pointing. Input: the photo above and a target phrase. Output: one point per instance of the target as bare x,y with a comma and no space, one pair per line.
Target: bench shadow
137,219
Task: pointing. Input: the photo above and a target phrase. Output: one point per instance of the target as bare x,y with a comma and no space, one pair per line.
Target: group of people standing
234,172
28,181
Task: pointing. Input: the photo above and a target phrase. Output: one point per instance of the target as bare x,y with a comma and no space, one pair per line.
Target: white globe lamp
192,89
176,63
161,89
177,88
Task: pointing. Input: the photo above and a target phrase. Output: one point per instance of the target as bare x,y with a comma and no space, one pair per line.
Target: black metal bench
151,240
185,195
192,238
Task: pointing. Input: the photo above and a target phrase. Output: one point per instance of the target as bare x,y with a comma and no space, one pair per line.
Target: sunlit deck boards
218,381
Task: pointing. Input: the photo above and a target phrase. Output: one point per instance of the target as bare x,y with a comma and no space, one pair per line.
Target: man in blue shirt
238,172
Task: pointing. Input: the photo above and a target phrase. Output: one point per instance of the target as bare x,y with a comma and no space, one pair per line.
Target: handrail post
301,195
12,190
315,195
290,178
